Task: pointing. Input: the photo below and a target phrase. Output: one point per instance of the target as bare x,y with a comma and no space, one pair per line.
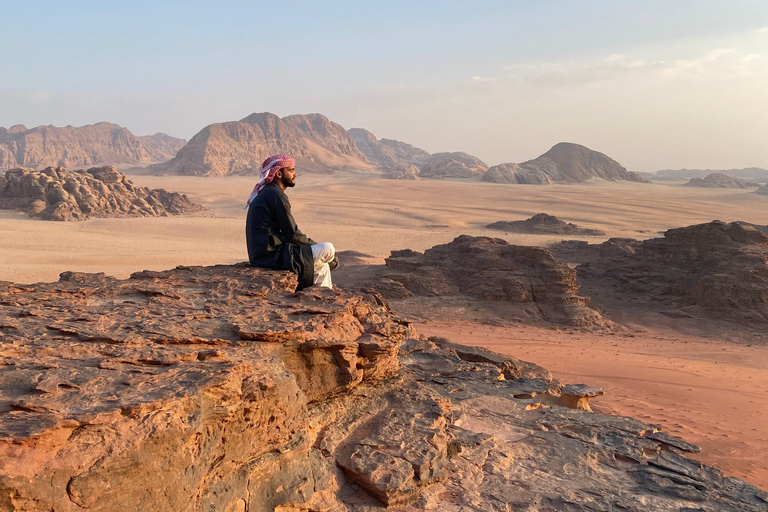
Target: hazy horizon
653,84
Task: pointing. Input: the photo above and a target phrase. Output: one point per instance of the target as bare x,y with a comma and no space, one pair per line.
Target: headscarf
267,173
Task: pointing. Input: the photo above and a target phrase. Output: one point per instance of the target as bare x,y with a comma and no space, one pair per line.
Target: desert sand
710,392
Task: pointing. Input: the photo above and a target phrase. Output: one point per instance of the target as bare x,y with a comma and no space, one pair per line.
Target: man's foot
334,263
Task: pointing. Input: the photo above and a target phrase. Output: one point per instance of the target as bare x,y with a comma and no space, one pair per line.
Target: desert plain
710,389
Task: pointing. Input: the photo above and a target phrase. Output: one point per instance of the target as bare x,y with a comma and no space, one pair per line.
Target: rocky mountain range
387,152
219,388
564,163
748,173
101,143
239,147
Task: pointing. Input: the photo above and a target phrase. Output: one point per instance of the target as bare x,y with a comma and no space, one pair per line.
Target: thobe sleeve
288,226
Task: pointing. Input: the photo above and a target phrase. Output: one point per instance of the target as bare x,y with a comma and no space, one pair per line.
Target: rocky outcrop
401,172
57,194
101,143
387,152
516,174
543,224
219,388
452,165
763,191
528,281
564,163
717,180
239,147
714,270
747,173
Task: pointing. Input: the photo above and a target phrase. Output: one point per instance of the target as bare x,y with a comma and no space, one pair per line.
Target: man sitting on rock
273,238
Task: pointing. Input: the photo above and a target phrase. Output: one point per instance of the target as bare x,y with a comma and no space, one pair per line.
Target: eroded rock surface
543,224
58,194
452,165
527,282
218,388
401,172
711,270
718,180
386,152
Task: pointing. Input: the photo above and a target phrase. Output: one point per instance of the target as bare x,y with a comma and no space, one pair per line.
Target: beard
288,182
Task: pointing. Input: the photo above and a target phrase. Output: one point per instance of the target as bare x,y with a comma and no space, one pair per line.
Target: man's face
287,176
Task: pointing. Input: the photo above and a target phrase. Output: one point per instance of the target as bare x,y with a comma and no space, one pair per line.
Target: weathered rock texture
564,163
102,143
717,180
387,152
453,165
543,224
714,270
57,194
401,172
490,270
240,147
218,388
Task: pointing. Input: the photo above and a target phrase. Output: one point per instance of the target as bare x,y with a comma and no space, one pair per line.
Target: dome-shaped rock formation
564,163
401,172
717,180
452,165
57,194
543,224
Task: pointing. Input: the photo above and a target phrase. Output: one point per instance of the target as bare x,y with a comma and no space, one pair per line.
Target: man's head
286,177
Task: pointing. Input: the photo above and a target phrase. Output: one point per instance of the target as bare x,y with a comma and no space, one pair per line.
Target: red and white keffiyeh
267,173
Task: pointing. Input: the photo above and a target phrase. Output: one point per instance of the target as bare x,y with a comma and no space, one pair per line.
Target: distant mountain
452,165
749,173
387,152
564,163
239,147
717,180
101,143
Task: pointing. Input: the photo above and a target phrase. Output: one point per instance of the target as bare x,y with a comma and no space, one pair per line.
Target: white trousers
323,254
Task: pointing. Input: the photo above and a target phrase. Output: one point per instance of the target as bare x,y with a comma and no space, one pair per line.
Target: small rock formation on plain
218,388
543,224
763,191
748,173
387,152
239,147
452,165
524,283
564,163
58,194
713,270
401,172
717,180
101,143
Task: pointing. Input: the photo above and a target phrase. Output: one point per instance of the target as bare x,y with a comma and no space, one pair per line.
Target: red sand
711,393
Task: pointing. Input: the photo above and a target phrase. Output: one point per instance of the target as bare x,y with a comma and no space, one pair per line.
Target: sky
655,84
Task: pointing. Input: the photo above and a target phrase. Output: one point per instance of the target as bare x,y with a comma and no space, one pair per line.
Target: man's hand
334,263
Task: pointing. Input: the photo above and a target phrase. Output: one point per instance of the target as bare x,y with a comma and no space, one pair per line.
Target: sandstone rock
452,165
239,147
486,269
401,172
543,224
719,268
218,388
717,180
101,143
56,194
763,191
387,152
748,173
564,163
